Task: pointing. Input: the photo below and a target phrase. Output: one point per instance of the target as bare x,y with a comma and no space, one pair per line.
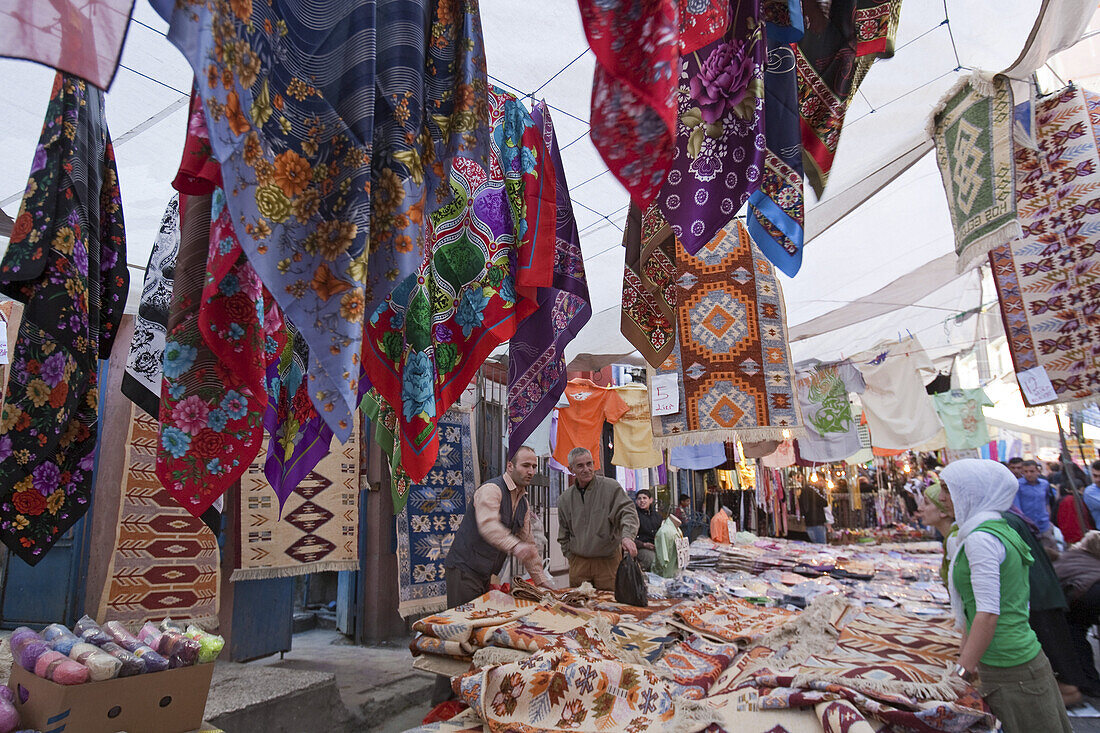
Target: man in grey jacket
596,521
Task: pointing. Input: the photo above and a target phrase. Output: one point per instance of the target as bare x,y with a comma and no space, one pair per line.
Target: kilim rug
972,130
319,527
732,619
458,624
731,361
165,561
648,313
1048,281
434,510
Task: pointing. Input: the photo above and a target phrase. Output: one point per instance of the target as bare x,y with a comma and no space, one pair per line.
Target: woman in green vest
989,588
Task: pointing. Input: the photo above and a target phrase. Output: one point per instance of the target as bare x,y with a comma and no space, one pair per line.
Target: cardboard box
172,701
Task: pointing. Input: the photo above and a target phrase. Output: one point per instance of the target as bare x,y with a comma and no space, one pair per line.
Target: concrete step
248,698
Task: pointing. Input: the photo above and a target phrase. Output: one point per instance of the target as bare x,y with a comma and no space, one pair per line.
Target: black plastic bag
630,587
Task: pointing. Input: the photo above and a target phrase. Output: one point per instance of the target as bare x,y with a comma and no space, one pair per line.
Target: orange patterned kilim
165,561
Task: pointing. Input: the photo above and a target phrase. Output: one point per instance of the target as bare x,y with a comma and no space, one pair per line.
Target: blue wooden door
263,618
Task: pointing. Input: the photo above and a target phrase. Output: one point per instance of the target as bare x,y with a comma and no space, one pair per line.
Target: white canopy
883,270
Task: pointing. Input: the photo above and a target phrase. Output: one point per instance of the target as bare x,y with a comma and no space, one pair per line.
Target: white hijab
980,490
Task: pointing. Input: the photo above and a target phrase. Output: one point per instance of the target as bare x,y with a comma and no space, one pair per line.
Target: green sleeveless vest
1014,642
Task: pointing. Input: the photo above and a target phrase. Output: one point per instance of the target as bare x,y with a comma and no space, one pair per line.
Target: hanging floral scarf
212,396
294,144
720,134
536,353
67,262
777,210
432,105
491,248
637,44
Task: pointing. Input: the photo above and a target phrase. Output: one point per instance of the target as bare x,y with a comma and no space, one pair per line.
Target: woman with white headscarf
988,580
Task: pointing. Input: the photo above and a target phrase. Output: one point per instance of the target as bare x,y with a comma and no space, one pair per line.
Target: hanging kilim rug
731,362
319,528
165,561
1047,281
435,507
973,134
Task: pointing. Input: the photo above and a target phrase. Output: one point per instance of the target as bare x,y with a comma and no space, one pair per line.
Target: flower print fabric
489,252
141,382
720,131
212,396
536,353
431,105
777,210
294,148
67,262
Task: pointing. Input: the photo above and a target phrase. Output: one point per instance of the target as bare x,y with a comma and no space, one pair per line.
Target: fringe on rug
945,689
705,437
209,624
490,656
290,572
426,605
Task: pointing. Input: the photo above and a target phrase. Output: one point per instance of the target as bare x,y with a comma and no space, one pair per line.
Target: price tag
3,342
1036,386
664,394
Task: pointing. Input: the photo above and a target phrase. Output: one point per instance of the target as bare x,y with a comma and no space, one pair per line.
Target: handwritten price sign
1036,386
664,395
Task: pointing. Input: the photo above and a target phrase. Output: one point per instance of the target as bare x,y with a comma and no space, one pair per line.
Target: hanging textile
899,412
490,252
427,524
164,562
295,154
634,89
648,313
963,417
432,105
141,382
777,210
831,433
842,39
66,262
698,457
731,361
580,425
1045,279
782,457
384,420
82,39
973,136
634,431
212,395
720,132
316,530
536,353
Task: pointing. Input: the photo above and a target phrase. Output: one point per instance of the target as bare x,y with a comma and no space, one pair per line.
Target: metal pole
1066,460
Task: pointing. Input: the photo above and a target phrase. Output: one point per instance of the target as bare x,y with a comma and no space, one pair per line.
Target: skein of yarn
131,665
100,664
60,638
181,651
211,645
122,637
27,647
153,662
56,667
9,716
150,635
88,630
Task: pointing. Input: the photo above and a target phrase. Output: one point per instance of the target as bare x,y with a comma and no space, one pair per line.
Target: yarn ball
9,716
181,651
60,638
211,645
88,630
122,637
56,667
100,664
131,665
150,635
27,647
153,661
6,693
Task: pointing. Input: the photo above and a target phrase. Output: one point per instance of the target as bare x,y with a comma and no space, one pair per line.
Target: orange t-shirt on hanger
581,424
